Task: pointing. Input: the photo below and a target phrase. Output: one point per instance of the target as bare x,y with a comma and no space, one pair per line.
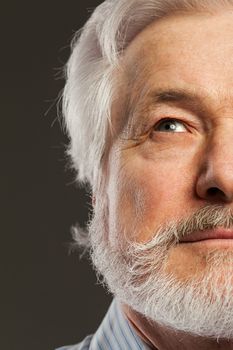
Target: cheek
148,194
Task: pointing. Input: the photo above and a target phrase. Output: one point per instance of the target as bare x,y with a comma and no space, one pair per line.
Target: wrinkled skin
155,174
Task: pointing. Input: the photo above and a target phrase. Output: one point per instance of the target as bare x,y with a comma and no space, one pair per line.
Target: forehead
185,50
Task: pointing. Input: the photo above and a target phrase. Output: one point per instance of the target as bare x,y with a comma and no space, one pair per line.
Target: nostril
214,191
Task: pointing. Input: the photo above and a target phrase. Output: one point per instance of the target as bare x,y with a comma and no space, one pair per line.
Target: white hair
89,89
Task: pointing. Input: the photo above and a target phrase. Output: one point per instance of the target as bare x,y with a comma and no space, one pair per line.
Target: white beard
201,305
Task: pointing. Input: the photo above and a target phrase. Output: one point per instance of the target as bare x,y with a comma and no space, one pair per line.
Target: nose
215,180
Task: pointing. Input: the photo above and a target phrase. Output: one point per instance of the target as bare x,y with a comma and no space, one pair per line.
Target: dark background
49,298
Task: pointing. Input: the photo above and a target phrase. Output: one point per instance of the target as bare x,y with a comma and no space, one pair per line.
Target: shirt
114,333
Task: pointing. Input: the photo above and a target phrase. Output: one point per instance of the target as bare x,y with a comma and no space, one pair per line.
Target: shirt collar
116,333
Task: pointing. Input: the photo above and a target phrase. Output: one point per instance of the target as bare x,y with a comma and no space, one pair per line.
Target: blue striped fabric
114,333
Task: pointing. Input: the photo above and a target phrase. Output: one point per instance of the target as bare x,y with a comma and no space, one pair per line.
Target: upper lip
219,233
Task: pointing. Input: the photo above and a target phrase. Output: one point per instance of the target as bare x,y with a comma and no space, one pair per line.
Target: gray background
49,298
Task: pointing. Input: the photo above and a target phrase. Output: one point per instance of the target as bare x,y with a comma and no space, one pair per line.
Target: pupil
170,126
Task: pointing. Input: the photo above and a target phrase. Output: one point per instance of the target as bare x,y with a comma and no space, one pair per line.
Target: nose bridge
220,148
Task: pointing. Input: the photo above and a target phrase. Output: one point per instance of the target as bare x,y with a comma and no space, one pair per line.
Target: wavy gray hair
89,89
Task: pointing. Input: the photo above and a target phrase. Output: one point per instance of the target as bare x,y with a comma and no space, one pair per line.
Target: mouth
214,236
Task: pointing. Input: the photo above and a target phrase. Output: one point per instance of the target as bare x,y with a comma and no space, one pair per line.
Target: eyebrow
187,99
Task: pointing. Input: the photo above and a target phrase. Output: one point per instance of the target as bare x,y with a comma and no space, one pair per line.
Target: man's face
174,153
170,174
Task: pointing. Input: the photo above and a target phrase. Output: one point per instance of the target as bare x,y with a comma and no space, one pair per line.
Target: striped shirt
114,333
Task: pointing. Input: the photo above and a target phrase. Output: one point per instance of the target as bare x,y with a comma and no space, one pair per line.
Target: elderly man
148,105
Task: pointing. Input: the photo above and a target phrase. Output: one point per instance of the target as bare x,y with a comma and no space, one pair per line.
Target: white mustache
205,218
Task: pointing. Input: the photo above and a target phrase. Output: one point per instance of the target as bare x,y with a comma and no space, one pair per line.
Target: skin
155,175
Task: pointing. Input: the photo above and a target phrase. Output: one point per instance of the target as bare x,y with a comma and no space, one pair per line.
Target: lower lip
219,243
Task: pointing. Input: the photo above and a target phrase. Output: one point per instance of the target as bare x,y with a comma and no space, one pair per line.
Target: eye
170,125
